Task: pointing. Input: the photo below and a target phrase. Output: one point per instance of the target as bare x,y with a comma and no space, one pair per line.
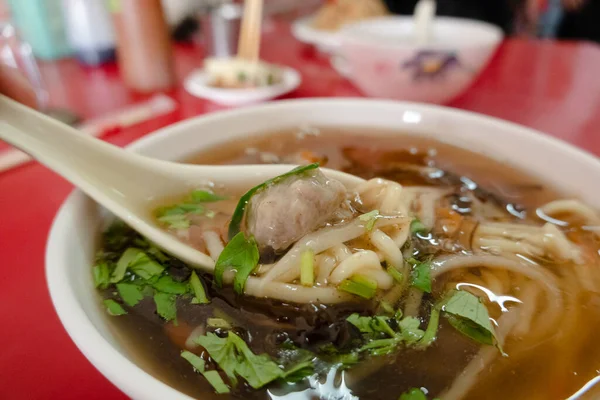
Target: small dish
325,41
198,83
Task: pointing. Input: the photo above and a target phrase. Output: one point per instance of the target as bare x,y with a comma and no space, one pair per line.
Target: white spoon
423,20
124,182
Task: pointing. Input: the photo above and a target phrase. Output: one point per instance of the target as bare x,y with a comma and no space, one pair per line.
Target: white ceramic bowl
381,59
325,41
73,238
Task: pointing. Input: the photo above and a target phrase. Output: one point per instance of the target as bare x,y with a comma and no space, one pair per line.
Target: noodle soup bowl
381,58
73,239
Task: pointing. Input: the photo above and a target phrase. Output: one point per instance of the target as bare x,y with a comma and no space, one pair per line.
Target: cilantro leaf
130,293
138,262
212,377
114,308
202,196
223,351
166,284
165,306
145,267
101,275
240,254
362,323
240,209
421,277
234,357
125,260
198,289
410,331
467,314
257,370
381,347
413,394
299,371
176,221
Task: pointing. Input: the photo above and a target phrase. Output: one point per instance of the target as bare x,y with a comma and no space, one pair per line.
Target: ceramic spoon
125,183
423,20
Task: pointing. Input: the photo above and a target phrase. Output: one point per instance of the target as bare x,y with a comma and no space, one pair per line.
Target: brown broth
552,369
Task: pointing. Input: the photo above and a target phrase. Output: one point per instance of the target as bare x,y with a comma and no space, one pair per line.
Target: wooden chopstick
249,40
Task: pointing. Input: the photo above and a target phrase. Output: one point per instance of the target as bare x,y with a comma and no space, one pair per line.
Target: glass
21,72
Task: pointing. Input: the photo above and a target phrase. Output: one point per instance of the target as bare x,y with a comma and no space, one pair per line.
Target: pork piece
283,213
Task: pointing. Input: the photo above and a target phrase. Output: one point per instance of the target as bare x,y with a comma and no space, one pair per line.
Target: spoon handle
423,20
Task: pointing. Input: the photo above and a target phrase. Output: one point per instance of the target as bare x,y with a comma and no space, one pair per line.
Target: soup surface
464,279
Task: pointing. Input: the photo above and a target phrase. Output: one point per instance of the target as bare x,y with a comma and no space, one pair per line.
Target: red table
550,86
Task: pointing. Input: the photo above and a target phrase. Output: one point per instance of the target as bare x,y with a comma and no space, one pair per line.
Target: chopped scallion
416,226
198,289
360,286
370,218
307,267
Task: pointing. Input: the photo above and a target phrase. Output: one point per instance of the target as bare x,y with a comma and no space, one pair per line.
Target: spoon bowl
125,183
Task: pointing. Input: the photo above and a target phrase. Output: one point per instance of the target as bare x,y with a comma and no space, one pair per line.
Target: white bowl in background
325,41
381,59
198,83
73,237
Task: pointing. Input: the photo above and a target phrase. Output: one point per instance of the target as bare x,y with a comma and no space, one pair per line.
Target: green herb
467,314
394,273
362,323
114,308
234,357
421,277
413,394
299,371
212,377
125,260
432,328
417,227
130,293
386,308
165,306
410,331
145,267
202,196
166,284
238,214
101,275
198,289
359,285
241,77
241,255
370,218
380,347
218,323
307,267
177,221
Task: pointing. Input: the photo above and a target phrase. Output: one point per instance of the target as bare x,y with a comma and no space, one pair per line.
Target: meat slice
283,213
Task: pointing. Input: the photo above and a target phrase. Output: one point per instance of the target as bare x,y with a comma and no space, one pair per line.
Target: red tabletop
550,86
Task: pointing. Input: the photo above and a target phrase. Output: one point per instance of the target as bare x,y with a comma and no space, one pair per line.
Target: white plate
198,84
326,41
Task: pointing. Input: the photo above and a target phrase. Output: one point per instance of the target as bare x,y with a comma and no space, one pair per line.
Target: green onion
202,196
370,218
359,285
416,226
394,273
307,267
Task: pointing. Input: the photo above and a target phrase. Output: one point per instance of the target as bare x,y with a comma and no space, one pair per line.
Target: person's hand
14,85
573,5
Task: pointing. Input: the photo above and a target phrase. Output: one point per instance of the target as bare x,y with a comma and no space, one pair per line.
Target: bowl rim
117,368
351,33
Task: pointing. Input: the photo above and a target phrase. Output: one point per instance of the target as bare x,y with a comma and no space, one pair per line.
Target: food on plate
445,275
336,13
237,73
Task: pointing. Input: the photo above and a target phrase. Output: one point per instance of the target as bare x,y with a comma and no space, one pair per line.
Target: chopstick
249,40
